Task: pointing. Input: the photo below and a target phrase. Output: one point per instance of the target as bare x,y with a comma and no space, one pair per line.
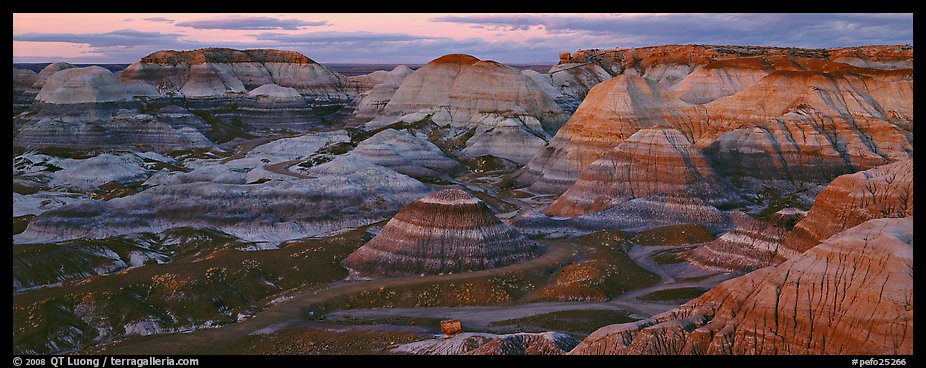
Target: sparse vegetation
21,222
505,289
24,189
400,321
424,125
190,291
489,163
316,341
673,235
603,271
221,131
680,294
775,201
578,323
115,190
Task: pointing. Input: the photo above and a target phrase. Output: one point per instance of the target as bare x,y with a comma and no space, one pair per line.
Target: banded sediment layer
851,294
446,231
883,191
650,161
270,212
787,120
218,71
502,112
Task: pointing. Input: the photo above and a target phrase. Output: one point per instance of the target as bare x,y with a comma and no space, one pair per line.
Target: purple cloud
122,37
159,19
791,29
564,33
339,37
250,23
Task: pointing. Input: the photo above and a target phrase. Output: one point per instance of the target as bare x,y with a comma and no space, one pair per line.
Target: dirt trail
246,146
277,168
290,312
480,318
282,168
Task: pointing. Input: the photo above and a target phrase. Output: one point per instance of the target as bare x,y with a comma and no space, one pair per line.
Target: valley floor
292,313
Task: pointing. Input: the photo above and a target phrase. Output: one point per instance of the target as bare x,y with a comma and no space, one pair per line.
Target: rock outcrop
446,231
22,89
206,174
574,81
82,86
638,214
220,72
376,89
669,64
407,154
302,147
47,72
271,212
883,191
245,89
851,294
611,112
366,82
544,343
36,203
225,94
99,170
877,57
783,119
274,107
458,344
87,108
650,161
813,126
87,129
464,93
204,80
23,79
274,91
723,78
749,245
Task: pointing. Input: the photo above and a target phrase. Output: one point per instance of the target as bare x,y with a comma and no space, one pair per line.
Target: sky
374,38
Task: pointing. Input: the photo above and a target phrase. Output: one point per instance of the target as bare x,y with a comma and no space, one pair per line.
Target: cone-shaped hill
446,231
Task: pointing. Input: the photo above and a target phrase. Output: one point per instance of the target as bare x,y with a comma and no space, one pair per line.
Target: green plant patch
680,294
21,222
576,322
603,271
501,289
399,320
186,293
674,235
113,190
318,341
775,201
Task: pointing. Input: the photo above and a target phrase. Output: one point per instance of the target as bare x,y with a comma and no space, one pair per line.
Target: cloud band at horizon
417,38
